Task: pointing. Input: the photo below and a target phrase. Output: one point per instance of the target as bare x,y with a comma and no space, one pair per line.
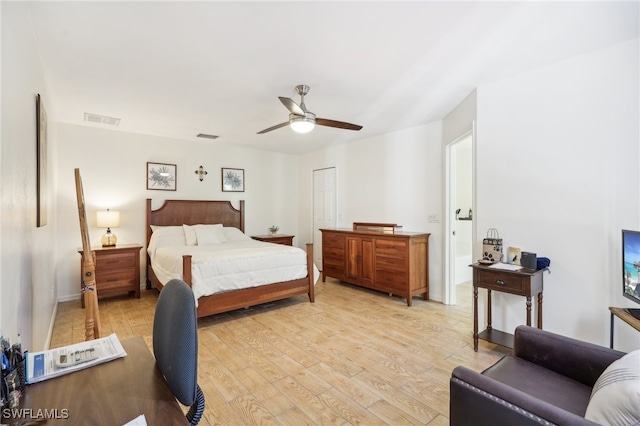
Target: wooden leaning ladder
92,314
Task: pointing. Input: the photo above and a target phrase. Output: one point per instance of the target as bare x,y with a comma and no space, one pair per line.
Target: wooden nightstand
117,269
286,240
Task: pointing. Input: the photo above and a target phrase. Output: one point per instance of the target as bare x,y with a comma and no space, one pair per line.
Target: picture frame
232,180
41,163
162,176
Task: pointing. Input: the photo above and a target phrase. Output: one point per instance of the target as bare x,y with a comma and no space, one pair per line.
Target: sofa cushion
541,383
615,399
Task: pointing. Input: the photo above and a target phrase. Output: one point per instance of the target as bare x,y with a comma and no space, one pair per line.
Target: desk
624,316
112,393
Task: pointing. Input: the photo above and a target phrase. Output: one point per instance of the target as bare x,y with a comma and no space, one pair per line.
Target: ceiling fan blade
338,124
277,126
291,106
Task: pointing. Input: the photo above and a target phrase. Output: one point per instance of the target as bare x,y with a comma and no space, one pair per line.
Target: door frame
449,184
317,251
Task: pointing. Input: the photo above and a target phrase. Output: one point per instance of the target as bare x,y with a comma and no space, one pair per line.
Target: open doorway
459,215
324,207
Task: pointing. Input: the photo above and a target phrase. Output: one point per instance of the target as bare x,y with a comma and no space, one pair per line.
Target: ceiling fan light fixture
302,125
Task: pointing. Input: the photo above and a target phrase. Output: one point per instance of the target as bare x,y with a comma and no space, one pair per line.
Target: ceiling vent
101,119
204,135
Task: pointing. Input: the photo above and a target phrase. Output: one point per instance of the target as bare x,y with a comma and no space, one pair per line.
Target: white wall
27,288
113,169
396,177
558,175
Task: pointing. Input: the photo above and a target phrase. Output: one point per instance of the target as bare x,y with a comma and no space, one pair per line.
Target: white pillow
190,235
615,398
233,234
209,234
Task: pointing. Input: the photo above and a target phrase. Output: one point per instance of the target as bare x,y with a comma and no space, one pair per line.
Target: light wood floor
353,357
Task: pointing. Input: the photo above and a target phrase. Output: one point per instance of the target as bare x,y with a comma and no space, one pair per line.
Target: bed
176,213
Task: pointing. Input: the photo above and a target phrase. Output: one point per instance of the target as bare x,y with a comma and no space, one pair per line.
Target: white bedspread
231,266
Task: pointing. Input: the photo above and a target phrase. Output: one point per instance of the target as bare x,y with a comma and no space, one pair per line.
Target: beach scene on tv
631,255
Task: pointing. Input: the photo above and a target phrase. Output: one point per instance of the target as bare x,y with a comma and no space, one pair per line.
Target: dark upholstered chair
175,345
546,380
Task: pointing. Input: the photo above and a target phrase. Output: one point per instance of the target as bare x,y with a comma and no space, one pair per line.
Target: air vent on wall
101,119
204,135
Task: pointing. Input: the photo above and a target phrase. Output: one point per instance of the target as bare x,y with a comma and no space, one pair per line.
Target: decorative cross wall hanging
201,172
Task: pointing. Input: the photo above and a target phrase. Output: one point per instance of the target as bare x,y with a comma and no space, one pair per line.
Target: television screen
631,265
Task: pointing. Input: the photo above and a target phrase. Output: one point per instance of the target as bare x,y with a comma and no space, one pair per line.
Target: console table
524,282
625,316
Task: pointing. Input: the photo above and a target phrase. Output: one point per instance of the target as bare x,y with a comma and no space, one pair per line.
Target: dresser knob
499,282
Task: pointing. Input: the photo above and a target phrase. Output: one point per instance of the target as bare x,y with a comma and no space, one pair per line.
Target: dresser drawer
502,282
395,248
393,263
333,252
333,240
116,261
334,271
391,280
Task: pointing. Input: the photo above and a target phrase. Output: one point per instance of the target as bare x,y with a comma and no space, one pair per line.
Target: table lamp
108,219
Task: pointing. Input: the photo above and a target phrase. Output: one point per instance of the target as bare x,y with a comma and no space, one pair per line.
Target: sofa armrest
581,361
480,400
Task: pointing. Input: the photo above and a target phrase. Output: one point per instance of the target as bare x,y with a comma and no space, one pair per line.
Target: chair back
175,340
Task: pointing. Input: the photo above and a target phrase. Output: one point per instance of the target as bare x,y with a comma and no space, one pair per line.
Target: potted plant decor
273,229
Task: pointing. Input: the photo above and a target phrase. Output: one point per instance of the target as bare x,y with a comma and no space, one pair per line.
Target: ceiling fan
302,120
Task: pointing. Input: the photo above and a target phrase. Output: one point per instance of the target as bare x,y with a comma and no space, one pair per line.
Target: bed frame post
312,295
186,269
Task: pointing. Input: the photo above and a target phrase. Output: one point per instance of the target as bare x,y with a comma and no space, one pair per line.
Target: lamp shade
108,219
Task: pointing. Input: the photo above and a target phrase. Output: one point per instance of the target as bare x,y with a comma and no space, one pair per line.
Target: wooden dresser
117,269
396,263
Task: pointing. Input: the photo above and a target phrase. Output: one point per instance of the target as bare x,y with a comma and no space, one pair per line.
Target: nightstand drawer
117,280
116,261
106,276
502,282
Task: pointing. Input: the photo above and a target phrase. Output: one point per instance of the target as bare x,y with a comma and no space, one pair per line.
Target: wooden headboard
193,212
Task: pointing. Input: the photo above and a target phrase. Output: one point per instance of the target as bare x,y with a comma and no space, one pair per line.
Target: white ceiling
177,69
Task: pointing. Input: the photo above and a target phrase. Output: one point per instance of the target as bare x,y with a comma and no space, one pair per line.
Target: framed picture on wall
161,176
41,163
232,180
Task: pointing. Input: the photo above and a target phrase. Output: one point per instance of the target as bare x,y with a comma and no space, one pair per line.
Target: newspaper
46,365
507,266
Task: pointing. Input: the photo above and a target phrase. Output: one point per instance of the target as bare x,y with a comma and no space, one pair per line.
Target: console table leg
540,310
489,315
611,330
529,311
475,318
